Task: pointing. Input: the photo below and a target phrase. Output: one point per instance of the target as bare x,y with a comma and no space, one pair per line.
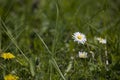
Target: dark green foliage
39,33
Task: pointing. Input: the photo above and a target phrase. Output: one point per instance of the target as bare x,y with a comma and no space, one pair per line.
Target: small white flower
79,37
101,40
83,54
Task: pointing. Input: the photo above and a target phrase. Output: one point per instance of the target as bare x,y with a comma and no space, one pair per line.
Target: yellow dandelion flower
11,77
7,55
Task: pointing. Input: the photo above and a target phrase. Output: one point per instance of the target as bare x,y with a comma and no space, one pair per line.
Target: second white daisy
82,54
79,37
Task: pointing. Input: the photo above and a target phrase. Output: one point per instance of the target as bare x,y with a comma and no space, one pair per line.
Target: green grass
39,33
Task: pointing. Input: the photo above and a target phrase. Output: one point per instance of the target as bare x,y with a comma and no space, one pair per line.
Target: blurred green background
41,31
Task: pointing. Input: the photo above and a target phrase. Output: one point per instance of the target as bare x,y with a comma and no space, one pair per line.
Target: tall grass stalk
8,32
52,60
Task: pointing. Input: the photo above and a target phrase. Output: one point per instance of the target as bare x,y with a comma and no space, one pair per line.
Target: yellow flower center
101,39
79,37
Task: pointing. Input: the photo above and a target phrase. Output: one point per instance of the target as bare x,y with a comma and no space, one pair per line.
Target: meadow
59,40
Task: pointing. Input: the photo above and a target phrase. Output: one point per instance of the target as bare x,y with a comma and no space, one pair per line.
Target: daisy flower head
101,40
79,37
7,55
11,77
82,54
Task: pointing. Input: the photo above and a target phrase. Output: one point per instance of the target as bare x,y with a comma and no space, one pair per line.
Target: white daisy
101,40
83,54
79,37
